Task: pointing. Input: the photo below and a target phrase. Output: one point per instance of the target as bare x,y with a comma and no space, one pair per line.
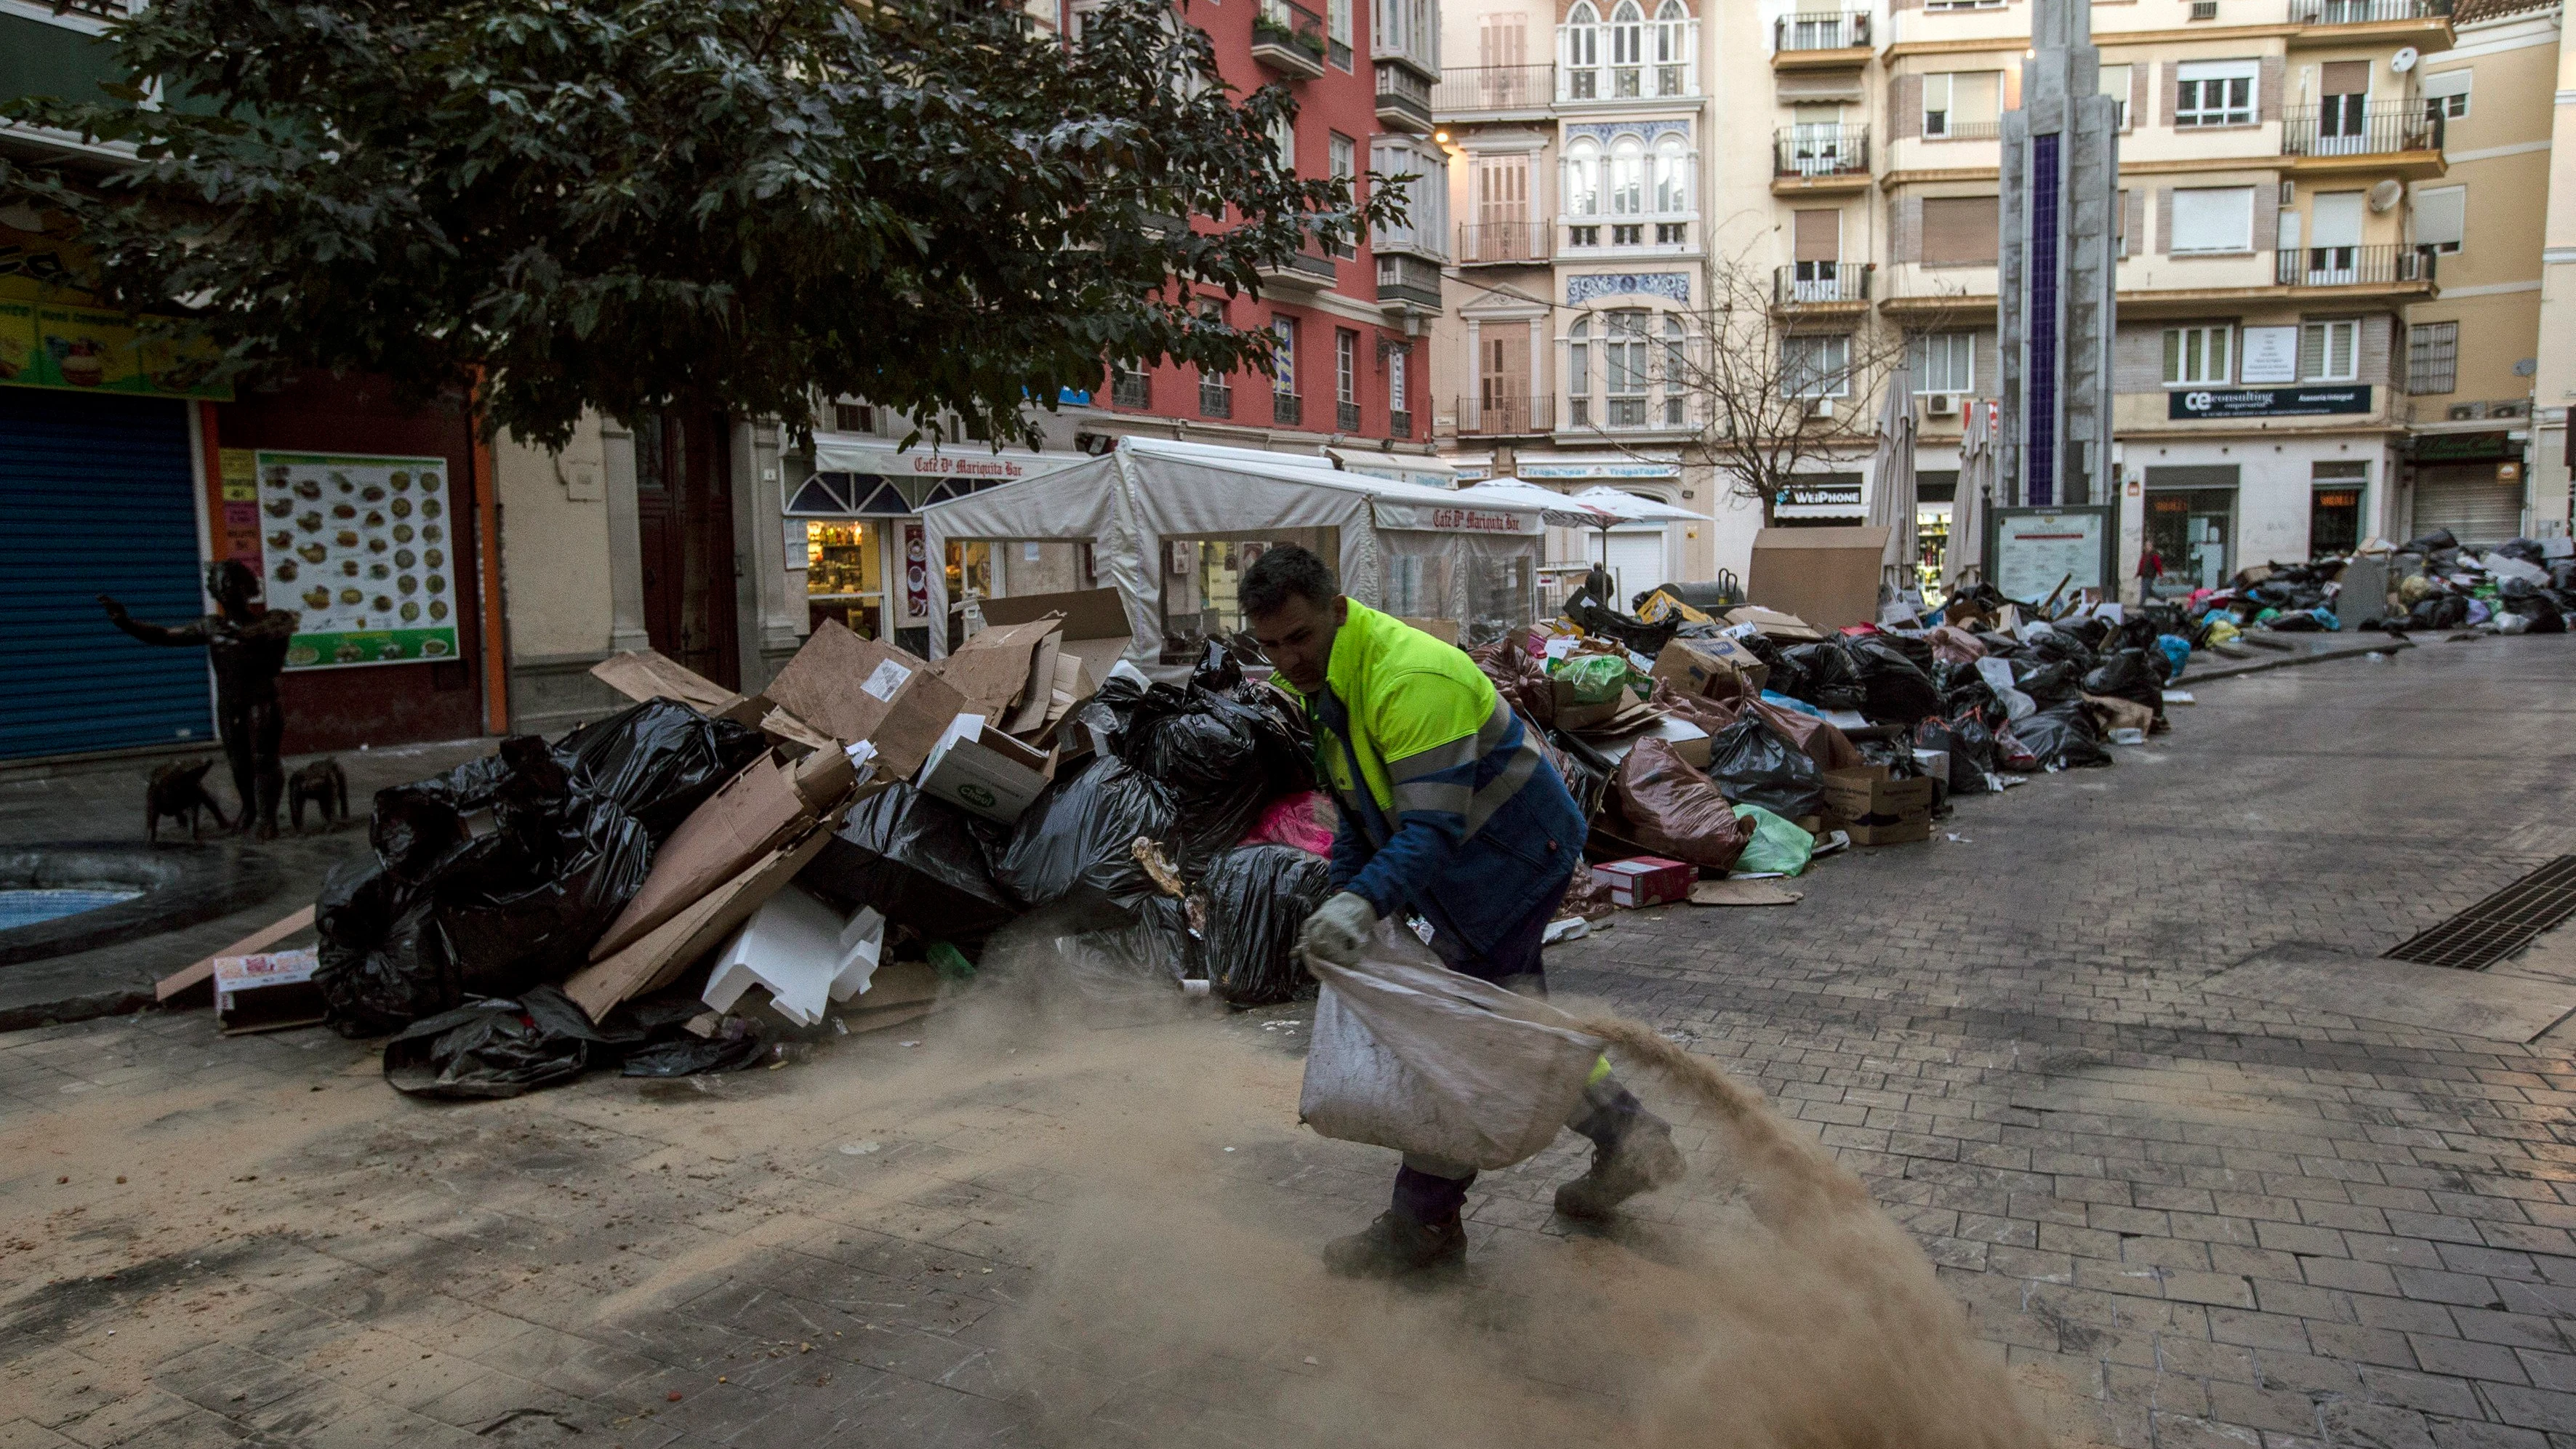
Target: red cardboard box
1645,880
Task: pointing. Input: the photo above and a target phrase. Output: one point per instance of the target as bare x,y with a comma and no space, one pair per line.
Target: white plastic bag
1997,673
1411,1055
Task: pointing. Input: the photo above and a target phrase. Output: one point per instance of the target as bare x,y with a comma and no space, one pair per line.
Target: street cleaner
1450,811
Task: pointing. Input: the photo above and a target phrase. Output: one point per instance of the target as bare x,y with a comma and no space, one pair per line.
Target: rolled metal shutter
2469,502
98,495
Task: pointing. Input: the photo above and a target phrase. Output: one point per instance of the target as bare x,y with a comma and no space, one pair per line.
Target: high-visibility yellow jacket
1447,806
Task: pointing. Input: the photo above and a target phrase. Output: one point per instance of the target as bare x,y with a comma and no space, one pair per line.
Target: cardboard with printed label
985,772
866,689
1645,880
266,992
1710,667
764,804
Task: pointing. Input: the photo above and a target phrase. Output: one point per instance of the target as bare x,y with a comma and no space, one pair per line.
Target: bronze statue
178,792
248,650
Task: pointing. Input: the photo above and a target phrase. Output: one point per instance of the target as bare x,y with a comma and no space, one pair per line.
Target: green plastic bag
1597,678
1778,844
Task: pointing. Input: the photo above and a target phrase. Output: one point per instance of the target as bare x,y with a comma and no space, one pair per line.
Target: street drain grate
2501,924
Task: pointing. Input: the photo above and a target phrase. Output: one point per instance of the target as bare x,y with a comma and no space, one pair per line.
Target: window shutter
2164,219
2138,94
2441,215
1819,236
1503,40
1988,367
2135,222
2171,72
2447,83
1906,228
2312,350
2334,219
2268,104
2267,214
2343,78
1907,123
1959,230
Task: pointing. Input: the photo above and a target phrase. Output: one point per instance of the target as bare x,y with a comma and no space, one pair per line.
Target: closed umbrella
1891,489
1968,513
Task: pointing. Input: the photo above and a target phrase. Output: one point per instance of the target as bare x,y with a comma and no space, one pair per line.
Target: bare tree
1783,372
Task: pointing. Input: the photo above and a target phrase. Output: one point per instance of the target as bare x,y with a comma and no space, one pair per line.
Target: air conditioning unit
1940,405
1820,407
2467,412
2517,408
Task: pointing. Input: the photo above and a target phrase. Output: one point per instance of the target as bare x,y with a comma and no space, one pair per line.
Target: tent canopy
1559,509
1129,501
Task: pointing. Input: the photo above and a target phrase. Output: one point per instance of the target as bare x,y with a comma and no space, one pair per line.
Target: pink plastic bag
1305,820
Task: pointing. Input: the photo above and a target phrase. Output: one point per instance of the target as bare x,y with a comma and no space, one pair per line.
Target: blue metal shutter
96,497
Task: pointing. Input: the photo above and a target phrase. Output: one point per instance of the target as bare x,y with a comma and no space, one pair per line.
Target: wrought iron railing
1807,284
1283,30
1821,30
1471,89
1504,241
1821,151
2364,12
2357,266
2348,127
1503,413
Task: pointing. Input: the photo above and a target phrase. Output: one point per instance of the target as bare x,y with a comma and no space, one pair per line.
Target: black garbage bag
2439,611
1629,630
382,960
415,828
2128,675
658,760
1754,764
1894,690
2088,631
2062,737
1218,669
2060,647
1258,897
2434,542
2521,596
1967,772
1285,737
1100,723
1162,942
1074,847
1827,679
489,1048
1206,750
735,1045
1963,690
1585,770
2057,682
2562,575
920,862
523,905
2524,549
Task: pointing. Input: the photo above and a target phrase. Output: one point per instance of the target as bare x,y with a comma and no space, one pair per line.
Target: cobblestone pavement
2187,1219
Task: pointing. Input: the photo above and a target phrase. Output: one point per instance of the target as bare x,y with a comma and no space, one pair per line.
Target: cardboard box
266,992
1573,716
643,674
1645,880
1876,810
1772,624
763,805
201,972
1826,576
1096,628
985,772
1710,667
657,958
1688,740
997,669
866,689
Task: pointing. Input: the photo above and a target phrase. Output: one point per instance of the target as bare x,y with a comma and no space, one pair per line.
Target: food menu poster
51,337
364,548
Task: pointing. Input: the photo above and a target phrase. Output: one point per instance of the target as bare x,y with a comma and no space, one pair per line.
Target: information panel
363,547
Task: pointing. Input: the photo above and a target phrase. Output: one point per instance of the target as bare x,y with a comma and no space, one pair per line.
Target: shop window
844,575
2199,356
2334,507
2433,358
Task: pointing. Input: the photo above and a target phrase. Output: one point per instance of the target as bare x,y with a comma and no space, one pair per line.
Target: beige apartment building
2329,231
2554,385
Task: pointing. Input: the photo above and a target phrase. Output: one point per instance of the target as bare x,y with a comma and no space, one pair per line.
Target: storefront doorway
2334,508
2192,528
684,515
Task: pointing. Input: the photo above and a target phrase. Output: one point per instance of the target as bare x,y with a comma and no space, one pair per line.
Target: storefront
1936,494
2469,483
2191,526
123,474
855,537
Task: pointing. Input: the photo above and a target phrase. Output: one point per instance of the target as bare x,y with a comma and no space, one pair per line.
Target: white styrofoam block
802,951
862,942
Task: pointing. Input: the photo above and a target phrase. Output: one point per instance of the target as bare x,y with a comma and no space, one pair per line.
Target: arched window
1578,373
1627,176
1583,179
1672,49
1672,177
1583,52
1627,49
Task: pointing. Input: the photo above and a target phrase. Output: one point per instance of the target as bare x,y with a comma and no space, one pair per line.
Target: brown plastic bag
1954,645
1518,677
1676,810
1829,747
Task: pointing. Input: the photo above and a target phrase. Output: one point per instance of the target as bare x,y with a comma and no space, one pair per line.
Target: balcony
1403,99
1503,243
1216,396
1820,40
1820,158
1303,272
1676,80
1346,417
1289,39
1501,415
2366,12
1407,283
1287,409
1130,387
1806,285
2347,135
1399,424
1495,91
1951,130
2387,266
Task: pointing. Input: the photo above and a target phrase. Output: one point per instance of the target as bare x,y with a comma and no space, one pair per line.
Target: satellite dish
2384,195
2404,60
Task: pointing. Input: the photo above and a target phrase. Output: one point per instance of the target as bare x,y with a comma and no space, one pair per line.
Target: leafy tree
745,204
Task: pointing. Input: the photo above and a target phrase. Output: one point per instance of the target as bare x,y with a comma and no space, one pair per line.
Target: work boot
1396,1245
1642,1159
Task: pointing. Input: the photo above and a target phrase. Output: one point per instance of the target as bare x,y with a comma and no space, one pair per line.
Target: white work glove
1337,929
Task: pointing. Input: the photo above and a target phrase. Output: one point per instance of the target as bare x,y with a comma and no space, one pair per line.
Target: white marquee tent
1415,551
